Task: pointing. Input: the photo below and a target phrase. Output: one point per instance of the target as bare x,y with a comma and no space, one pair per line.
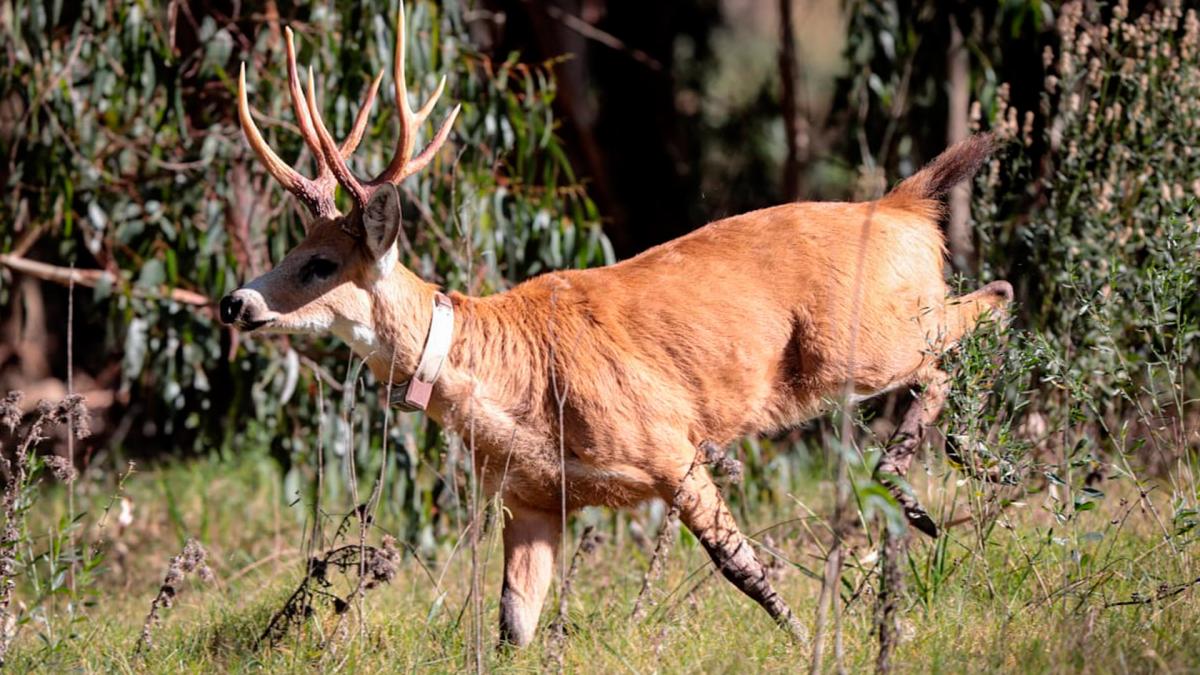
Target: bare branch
93,278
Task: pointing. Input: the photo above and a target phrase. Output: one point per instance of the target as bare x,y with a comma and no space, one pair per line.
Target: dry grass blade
192,560
588,543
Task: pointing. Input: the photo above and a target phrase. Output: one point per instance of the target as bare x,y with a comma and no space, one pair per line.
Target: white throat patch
360,337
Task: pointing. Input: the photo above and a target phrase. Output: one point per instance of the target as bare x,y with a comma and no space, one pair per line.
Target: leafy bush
1091,213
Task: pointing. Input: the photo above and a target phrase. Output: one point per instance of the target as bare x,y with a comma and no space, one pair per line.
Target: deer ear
381,220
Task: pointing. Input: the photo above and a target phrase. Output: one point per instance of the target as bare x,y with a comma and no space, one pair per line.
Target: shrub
1091,214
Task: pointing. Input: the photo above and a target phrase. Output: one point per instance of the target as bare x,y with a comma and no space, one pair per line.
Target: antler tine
330,150
330,158
302,118
316,193
319,201
305,122
407,139
430,151
403,165
360,121
423,113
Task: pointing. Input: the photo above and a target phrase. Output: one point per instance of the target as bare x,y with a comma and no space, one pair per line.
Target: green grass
1022,602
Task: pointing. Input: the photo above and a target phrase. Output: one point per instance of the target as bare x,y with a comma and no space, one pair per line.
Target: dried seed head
592,541
382,562
318,568
70,412
77,415
10,410
195,559
62,468
722,461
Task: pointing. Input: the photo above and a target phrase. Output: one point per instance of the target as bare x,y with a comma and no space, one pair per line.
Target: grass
1030,600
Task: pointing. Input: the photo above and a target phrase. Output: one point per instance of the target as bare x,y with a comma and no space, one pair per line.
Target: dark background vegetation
591,130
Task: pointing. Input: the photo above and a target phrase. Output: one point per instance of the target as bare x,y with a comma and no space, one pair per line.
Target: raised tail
956,164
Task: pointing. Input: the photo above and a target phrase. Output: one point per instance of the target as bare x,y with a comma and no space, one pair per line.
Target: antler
315,193
402,164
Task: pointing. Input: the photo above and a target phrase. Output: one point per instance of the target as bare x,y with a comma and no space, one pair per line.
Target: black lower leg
897,457
741,567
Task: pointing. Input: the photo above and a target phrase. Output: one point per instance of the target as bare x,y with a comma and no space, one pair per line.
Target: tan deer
596,387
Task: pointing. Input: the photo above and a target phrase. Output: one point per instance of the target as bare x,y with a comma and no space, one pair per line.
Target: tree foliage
122,153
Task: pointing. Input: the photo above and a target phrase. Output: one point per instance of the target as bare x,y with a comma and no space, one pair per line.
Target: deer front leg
902,446
531,541
703,511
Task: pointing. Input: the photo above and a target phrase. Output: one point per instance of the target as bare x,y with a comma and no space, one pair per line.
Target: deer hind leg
531,540
902,446
964,312
704,512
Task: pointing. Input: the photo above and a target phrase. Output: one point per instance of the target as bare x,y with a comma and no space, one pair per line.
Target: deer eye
317,268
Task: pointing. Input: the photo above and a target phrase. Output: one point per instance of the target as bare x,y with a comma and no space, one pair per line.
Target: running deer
744,326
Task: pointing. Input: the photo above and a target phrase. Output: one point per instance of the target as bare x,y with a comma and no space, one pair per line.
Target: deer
595,387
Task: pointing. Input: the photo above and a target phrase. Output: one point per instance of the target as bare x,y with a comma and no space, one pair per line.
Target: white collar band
414,394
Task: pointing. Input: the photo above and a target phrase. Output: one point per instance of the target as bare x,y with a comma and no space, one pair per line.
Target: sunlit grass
1026,601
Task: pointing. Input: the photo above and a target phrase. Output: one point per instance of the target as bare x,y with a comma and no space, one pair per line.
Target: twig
70,424
707,453
662,545
374,566
833,563
891,587
607,39
1161,593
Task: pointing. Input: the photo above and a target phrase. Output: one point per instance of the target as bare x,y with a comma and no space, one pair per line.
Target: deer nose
231,308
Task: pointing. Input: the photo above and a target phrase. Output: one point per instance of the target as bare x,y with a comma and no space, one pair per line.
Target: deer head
347,264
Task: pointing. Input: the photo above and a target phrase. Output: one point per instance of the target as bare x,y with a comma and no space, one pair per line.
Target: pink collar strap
414,394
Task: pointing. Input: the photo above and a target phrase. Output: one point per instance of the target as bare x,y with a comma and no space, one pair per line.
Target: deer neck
492,384
401,308
492,380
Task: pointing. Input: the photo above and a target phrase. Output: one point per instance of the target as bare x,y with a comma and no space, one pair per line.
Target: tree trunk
792,124
958,229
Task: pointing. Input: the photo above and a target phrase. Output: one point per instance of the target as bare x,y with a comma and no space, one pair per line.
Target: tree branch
93,278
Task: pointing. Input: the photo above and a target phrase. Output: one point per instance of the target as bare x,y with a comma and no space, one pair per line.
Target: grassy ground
1031,599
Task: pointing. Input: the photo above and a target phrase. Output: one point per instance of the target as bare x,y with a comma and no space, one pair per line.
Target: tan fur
748,325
